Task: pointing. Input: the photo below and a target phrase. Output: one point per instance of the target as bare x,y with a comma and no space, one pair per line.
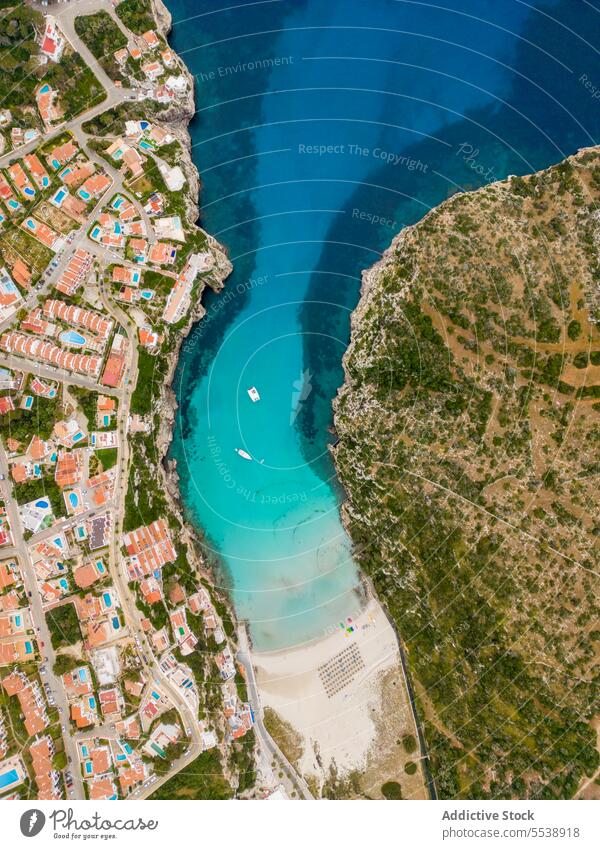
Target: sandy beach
345,695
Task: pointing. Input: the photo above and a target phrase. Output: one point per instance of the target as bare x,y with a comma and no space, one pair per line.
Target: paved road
42,633
66,21
263,737
132,613
66,17
15,361
114,96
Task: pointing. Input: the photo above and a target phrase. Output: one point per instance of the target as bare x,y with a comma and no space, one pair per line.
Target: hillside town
118,663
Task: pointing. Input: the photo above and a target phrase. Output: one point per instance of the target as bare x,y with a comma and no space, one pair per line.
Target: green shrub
391,790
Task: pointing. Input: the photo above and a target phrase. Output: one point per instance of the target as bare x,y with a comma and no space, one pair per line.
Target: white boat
253,393
243,453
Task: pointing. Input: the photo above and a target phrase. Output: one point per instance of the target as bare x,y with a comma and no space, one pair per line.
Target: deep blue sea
322,128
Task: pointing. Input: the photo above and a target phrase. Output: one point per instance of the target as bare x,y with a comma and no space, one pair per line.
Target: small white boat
243,453
253,393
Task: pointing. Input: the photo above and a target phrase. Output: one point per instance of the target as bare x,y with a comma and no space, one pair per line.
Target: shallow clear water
321,130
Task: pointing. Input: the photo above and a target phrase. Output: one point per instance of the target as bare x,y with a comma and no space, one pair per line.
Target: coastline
341,735
396,278
178,120
353,729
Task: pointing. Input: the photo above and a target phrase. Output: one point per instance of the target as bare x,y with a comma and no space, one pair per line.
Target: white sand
341,728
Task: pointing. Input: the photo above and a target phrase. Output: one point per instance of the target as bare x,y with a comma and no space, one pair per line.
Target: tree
391,790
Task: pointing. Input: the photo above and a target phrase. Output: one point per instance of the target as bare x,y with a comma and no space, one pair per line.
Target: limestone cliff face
469,428
177,118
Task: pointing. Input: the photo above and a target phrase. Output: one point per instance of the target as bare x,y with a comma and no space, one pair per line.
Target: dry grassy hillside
470,450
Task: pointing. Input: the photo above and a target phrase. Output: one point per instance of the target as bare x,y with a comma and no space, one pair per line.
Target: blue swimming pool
107,599
73,499
84,194
95,232
59,196
71,337
45,89
55,164
92,702
29,192
14,204
147,294
42,503
29,403
28,647
82,674
8,777
115,623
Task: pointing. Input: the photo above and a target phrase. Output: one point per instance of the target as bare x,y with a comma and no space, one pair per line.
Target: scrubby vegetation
285,735
136,15
77,86
201,779
21,71
103,37
63,625
469,438
18,55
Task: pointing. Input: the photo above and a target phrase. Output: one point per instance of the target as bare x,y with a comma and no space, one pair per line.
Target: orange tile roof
69,468
88,607
102,788
85,576
21,273
19,472
97,633
80,719
130,776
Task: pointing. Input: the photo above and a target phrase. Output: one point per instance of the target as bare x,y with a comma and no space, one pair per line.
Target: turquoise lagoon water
321,130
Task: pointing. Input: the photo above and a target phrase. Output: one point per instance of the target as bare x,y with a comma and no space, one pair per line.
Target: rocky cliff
469,430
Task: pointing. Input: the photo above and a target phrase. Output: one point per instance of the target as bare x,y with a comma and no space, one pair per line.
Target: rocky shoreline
460,369
178,119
